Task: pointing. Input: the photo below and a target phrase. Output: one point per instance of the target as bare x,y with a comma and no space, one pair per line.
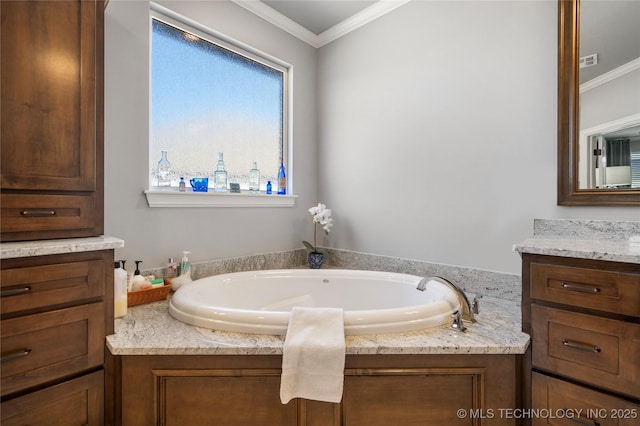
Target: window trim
174,198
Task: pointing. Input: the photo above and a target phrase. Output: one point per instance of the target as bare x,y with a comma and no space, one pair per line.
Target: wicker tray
140,297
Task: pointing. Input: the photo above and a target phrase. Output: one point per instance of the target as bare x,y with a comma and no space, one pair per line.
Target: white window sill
174,198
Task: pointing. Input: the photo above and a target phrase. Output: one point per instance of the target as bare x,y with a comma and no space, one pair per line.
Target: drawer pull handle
15,292
38,213
581,288
14,355
581,346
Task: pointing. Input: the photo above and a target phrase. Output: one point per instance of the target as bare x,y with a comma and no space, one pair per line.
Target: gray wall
430,132
437,132
154,234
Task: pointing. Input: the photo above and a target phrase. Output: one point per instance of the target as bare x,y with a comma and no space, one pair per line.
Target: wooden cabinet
378,390
572,404
74,402
55,313
52,119
584,320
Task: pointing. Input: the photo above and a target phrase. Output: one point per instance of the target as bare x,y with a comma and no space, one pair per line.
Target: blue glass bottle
282,179
269,187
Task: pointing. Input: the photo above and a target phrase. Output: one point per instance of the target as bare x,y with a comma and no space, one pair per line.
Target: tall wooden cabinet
55,309
584,320
51,119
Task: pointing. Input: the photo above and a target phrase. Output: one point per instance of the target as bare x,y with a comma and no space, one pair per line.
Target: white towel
313,355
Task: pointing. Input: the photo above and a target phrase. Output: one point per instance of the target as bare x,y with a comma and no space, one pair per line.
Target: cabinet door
562,403
75,402
590,349
48,92
51,345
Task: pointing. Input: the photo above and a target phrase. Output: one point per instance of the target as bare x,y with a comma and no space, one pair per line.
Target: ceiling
318,22
610,29
318,15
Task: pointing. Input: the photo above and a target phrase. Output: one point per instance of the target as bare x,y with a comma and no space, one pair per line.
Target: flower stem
315,244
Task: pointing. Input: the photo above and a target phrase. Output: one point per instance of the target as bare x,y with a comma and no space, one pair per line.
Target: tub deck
150,330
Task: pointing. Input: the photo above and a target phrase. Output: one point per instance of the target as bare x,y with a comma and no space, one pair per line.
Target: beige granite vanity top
150,330
616,241
623,250
59,246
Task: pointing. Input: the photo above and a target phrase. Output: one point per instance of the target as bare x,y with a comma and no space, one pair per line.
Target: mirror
598,104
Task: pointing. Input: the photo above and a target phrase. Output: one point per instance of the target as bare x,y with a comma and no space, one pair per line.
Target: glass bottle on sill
282,179
164,172
220,176
254,178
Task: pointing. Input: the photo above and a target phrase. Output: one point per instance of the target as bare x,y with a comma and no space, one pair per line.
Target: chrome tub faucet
468,309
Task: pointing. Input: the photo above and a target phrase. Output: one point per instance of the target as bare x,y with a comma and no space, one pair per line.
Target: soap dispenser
185,273
138,282
185,266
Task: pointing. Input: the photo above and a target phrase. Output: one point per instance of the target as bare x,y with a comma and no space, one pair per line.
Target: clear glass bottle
254,178
282,179
182,187
164,171
220,176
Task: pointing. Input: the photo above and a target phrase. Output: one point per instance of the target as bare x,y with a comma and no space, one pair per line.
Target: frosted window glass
207,99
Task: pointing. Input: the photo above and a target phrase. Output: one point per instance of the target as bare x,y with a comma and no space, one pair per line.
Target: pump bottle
185,266
119,291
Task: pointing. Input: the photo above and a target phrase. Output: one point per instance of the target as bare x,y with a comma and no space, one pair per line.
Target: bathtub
260,302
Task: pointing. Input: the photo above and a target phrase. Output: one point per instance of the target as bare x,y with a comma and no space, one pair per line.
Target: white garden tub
261,301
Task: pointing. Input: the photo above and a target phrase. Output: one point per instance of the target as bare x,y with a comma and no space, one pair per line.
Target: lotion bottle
119,291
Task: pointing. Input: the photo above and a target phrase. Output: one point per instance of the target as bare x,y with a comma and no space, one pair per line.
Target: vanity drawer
36,287
51,345
75,402
594,350
572,404
46,216
606,291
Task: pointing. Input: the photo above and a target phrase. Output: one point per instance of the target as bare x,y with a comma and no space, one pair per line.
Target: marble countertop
59,246
150,330
626,250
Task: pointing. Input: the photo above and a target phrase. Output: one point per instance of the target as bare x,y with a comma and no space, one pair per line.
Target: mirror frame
569,115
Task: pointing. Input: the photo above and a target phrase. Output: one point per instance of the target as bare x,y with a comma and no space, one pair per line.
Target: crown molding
611,75
371,13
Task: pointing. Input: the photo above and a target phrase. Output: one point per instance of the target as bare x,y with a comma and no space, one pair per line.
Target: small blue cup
199,184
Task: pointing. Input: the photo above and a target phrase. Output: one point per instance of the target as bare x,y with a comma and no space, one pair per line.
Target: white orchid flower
321,215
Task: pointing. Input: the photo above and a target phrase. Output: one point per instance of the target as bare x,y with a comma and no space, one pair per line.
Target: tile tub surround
150,330
477,281
60,246
584,239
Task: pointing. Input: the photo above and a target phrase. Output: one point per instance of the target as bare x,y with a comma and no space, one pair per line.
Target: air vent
589,60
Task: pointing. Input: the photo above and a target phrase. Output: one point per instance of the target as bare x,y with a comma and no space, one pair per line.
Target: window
210,96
